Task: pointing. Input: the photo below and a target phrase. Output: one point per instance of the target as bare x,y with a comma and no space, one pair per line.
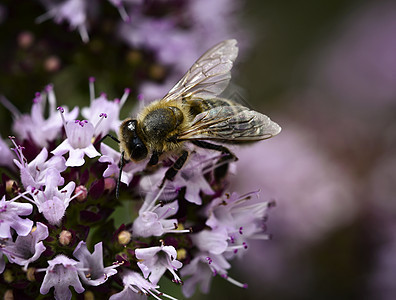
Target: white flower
36,126
135,285
9,216
153,219
78,143
34,174
91,269
73,11
60,274
51,202
27,249
154,261
112,158
102,104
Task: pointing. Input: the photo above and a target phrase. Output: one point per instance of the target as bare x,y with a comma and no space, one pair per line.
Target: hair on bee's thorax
156,128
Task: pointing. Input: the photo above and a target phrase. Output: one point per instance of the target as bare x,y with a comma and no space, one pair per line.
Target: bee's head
131,142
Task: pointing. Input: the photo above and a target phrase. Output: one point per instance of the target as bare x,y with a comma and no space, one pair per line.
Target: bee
193,112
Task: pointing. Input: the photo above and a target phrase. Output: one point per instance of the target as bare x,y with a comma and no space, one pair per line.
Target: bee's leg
122,163
106,136
154,158
175,168
152,164
220,148
222,169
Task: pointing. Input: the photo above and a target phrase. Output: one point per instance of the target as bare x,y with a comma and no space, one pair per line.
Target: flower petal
76,158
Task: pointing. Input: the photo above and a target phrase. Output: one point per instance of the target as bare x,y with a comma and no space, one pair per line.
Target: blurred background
324,70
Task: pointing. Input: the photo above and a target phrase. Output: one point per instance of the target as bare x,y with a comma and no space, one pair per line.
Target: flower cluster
59,201
180,34
173,33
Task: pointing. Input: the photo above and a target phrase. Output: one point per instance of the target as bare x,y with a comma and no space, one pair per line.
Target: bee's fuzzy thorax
165,143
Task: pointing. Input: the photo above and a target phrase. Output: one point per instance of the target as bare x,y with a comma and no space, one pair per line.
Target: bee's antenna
122,163
106,136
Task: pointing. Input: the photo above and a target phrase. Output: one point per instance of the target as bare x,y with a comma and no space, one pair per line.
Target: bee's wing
209,75
231,124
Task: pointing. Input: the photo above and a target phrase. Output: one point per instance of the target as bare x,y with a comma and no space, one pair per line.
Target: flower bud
65,237
9,185
88,295
52,64
30,274
8,277
157,71
82,193
124,237
134,57
109,184
8,295
25,39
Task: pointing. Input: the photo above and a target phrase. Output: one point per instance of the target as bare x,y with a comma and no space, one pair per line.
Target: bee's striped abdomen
201,105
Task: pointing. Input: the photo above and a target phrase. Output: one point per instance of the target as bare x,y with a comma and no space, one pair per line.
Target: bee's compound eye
139,150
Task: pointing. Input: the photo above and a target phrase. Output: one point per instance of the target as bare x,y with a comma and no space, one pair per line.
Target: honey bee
192,112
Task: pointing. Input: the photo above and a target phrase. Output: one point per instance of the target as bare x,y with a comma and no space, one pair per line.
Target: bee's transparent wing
231,124
209,75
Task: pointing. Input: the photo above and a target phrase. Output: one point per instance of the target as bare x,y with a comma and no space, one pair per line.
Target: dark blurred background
324,70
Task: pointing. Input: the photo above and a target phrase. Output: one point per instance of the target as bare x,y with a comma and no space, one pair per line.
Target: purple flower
241,217
90,266
180,49
27,249
34,174
154,261
78,142
213,241
121,7
233,220
35,126
173,46
52,202
112,157
300,181
73,11
102,105
135,285
191,176
149,185
201,270
10,212
60,274
153,219
178,43
313,180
